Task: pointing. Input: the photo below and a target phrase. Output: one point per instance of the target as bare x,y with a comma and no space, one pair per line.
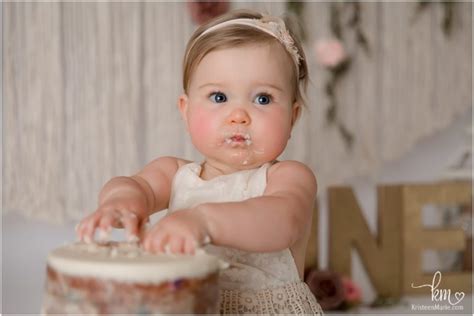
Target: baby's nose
239,116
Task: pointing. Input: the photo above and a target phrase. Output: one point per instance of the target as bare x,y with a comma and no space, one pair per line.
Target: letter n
380,253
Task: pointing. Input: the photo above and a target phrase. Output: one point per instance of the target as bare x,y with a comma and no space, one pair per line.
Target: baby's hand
108,216
180,232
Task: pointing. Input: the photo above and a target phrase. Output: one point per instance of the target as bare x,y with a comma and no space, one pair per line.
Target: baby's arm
272,222
129,201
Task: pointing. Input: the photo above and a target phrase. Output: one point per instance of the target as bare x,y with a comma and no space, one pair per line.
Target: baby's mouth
238,139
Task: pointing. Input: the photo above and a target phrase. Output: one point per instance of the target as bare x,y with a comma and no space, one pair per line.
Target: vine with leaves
339,69
448,13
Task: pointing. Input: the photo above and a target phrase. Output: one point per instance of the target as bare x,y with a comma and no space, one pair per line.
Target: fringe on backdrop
90,92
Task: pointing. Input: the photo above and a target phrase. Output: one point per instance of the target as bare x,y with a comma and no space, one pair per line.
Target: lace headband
271,25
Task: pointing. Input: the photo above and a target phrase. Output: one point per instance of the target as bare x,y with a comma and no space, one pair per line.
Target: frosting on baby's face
239,107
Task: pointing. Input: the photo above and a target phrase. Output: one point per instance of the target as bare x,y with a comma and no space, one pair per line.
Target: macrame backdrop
90,92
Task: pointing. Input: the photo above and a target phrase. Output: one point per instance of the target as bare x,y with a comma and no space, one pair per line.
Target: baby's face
239,108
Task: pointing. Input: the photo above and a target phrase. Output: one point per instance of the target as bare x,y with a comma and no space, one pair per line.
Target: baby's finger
142,228
176,245
189,246
131,223
79,229
108,220
160,243
106,223
88,228
116,217
81,226
152,240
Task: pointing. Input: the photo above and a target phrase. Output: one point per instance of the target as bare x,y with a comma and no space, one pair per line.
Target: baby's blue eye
263,99
218,97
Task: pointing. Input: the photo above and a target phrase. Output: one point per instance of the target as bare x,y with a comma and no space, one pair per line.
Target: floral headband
273,26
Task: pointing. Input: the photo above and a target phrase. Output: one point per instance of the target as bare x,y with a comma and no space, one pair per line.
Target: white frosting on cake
123,261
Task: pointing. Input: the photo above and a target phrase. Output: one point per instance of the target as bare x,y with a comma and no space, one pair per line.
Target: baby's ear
295,113
183,107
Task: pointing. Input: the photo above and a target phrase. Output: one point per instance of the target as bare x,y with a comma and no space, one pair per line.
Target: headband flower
278,29
273,26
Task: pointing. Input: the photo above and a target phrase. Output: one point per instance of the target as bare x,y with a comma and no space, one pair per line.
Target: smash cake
121,278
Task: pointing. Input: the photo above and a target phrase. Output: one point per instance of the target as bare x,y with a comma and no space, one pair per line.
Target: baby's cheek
200,126
277,143
276,131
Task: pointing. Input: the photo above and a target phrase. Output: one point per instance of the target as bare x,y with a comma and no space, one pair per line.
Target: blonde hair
238,35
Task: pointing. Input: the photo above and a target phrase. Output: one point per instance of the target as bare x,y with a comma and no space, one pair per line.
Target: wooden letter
416,238
311,259
348,228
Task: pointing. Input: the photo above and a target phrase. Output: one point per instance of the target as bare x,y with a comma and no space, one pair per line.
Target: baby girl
243,80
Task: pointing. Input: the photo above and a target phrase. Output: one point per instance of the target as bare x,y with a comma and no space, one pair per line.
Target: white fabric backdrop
91,89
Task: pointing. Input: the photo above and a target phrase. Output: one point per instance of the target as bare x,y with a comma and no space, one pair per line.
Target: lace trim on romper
291,298
257,283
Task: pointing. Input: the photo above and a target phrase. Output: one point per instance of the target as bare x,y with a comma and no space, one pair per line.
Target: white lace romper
257,283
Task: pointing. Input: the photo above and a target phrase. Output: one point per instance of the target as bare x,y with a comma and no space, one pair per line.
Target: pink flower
327,287
330,52
204,11
352,292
